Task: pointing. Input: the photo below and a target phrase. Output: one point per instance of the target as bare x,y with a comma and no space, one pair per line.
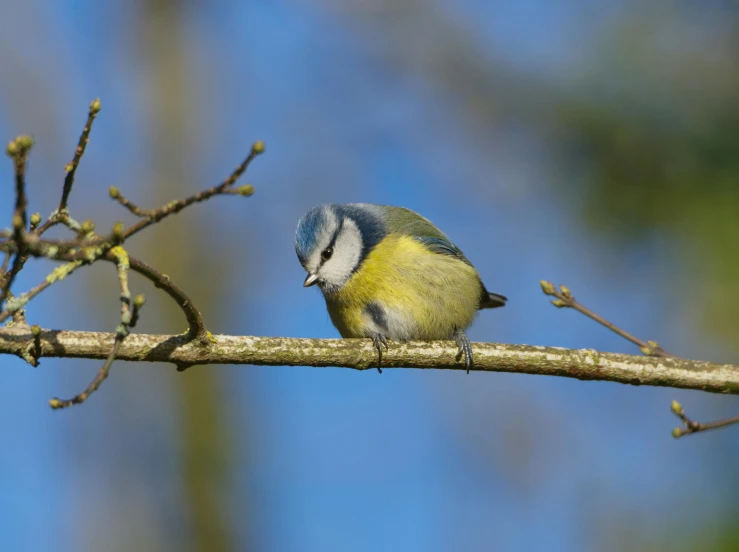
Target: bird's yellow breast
425,295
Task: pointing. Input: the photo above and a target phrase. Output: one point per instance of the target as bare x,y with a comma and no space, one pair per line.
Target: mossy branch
564,298
360,354
25,241
197,346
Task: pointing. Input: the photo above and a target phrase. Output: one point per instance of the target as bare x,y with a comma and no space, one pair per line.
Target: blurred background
590,143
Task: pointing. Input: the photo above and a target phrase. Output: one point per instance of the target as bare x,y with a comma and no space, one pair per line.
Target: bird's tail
492,300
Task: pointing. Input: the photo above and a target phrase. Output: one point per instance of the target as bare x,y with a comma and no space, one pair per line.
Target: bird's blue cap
365,216
305,235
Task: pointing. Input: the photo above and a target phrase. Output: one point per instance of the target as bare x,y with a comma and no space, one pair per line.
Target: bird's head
332,241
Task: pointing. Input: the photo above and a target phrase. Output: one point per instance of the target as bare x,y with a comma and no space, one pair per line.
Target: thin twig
56,275
86,249
129,317
564,298
18,150
57,403
693,426
194,318
71,167
176,206
61,215
20,160
115,193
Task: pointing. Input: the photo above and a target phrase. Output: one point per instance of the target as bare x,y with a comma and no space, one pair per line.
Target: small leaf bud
118,231
257,147
12,149
245,190
24,142
547,287
87,226
139,301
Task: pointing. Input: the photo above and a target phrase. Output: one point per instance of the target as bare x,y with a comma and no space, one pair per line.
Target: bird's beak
310,280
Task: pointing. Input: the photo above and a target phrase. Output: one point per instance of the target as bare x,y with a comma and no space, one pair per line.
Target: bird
388,273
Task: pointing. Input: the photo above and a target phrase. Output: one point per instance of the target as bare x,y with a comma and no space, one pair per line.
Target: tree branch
197,346
360,354
129,317
564,298
694,426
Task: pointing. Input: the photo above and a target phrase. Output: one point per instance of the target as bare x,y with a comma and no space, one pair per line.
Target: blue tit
389,273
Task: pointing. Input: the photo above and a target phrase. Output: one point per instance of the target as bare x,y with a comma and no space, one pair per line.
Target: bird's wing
404,221
442,246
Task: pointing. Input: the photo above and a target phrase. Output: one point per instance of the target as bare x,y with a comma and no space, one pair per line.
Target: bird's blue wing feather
442,246
405,221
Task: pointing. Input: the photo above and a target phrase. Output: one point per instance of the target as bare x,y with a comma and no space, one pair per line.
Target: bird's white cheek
339,268
347,250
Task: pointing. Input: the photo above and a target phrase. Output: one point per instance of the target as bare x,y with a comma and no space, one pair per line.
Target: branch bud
257,147
35,220
17,222
19,146
245,190
677,432
565,291
677,408
87,227
12,150
547,287
55,403
118,232
559,303
114,192
24,142
36,330
95,106
139,301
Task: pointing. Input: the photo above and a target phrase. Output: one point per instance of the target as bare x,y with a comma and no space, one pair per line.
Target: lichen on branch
86,247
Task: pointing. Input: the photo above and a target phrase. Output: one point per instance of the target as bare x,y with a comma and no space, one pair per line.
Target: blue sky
335,459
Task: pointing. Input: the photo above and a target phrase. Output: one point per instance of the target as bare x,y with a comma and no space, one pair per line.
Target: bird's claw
465,348
379,340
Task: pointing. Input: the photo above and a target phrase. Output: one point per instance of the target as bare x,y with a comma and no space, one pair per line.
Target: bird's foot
465,348
379,340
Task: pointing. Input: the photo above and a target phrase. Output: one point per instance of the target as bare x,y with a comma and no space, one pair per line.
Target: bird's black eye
326,253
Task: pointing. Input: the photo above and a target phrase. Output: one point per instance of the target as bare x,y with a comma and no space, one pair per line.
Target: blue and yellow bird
389,273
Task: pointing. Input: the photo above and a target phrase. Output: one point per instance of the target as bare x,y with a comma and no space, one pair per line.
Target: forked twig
129,317
693,426
196,326
564,298
61,215
25,240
